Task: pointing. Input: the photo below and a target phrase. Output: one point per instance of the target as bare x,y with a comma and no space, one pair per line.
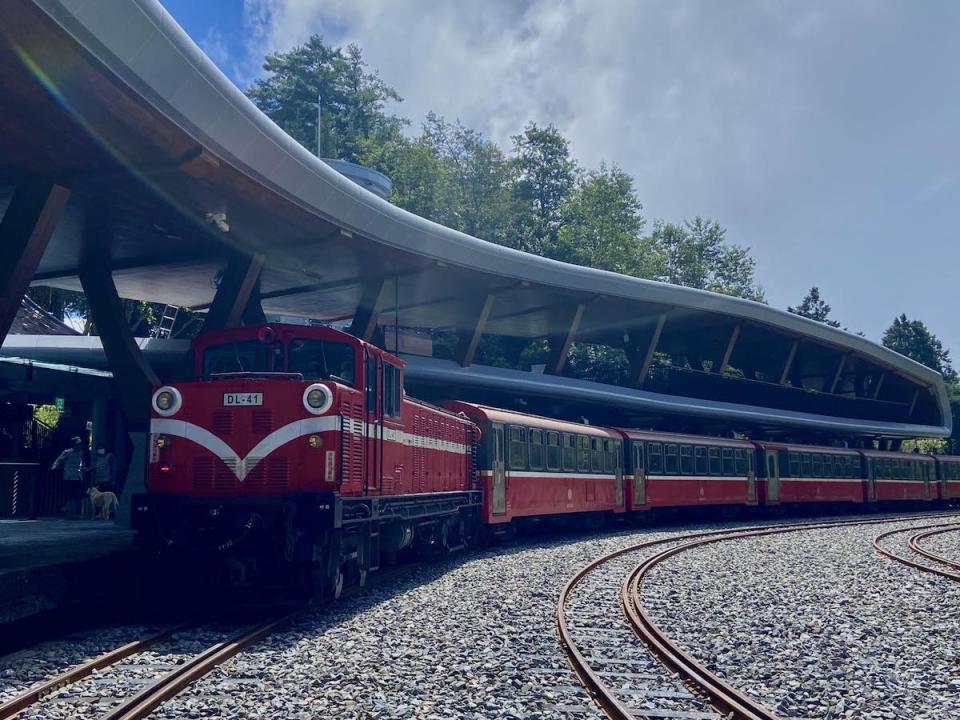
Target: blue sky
824,135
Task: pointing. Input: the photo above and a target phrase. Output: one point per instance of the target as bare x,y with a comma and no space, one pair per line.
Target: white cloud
805,127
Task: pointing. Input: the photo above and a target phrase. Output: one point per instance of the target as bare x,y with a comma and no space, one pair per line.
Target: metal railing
29,490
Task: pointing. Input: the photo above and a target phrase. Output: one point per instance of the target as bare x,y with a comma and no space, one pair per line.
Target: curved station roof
111,98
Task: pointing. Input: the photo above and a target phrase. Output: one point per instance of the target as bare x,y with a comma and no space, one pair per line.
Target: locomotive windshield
246,356
321,360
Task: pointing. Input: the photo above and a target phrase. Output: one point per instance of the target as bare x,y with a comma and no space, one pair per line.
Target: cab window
246,356
322,360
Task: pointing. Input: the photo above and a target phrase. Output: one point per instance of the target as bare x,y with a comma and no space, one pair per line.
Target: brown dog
103,504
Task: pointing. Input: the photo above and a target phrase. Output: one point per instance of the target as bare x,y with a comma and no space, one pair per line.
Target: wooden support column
731,344
876,388
838,374
789,363
651,351
913,402
469,338
560,344
26,228
368,311
235,292
253,311
133,375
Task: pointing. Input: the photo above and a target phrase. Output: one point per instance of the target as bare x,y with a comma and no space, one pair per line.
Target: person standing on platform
71,460
104,470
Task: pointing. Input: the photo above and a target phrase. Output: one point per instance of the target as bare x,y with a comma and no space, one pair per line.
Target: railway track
944,567
600,618
183,668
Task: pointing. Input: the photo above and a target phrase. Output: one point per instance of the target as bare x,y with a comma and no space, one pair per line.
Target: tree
815,308
546,176
603,226
353,99
913,339
696,254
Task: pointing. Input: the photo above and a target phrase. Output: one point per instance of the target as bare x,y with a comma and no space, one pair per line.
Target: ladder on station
168,319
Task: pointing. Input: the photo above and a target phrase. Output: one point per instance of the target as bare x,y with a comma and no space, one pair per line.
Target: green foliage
815,308
696,254
352,99
49,415
913,339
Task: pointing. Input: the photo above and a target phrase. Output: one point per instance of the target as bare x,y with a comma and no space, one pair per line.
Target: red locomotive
293,453
294,447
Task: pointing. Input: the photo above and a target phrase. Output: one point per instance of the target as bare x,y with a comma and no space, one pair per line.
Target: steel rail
720,693
35,694
910,562
914,544
171,684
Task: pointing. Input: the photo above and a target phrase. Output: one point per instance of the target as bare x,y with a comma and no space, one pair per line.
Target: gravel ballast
817,624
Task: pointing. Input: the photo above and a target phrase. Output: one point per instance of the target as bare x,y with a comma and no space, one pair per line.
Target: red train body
293,451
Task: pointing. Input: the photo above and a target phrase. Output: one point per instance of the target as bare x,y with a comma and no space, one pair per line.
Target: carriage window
700,460
727,461
637,455
654,458
617,455
739,462
584,454
518,448
597,454
569,452
536,450
795,464
608,461
816,464
671,464
753,470
248,356
716,467
553,451
686,459
805,464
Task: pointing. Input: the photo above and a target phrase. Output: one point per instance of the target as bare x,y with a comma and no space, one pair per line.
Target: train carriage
533,466
894,476
810,474
672,470
948,473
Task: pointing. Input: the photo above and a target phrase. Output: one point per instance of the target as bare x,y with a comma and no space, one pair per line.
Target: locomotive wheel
336,582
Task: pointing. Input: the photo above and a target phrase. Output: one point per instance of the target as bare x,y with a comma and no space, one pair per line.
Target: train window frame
700,465
795,467
554,460
569,458
609,465
726,458
654,458
671,459
517,448
739,462
536,454
392,390
583,454
596,455
713,454
751,463
686,459
805,465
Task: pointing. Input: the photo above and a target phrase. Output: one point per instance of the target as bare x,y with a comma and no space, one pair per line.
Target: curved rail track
914,544
707,696
142,703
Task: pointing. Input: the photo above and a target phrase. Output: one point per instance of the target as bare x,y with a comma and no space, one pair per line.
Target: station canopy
173,171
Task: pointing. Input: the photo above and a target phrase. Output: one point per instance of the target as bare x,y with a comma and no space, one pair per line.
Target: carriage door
498,489
373,428
618,469
773,478
751,476
871,482
639,476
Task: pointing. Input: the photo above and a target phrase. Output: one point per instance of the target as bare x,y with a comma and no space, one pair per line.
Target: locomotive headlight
317,399
167,401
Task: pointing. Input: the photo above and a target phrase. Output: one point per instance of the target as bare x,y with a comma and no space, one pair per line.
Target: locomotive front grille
211,474
222,422
269,474
261,421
